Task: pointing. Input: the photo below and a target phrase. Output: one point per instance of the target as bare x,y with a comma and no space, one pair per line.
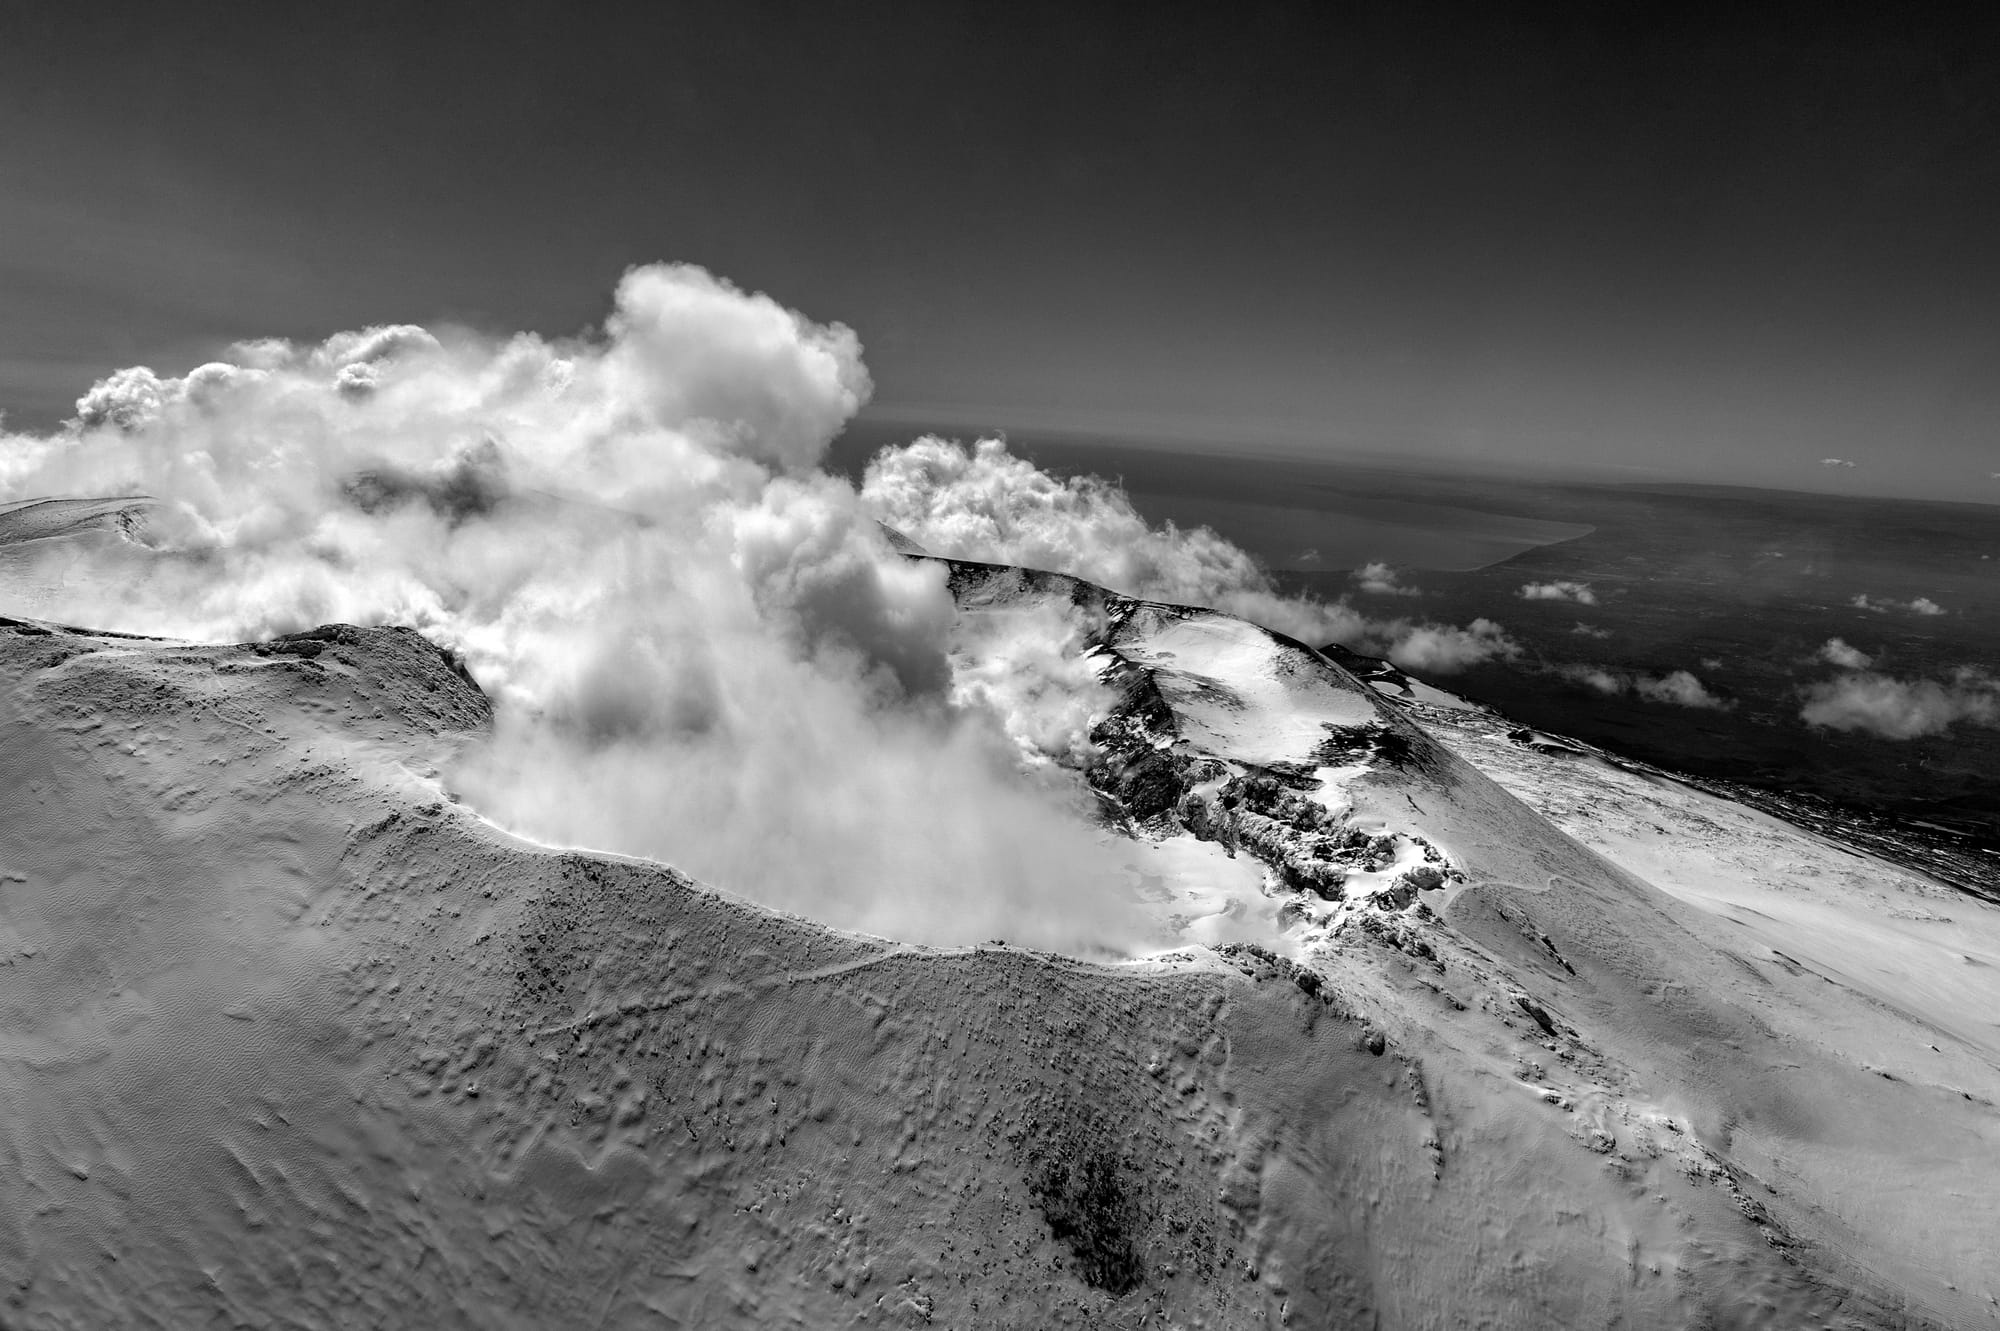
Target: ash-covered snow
294,1039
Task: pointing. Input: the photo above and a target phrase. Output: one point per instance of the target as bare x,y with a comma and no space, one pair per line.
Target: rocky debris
1424,877
1369,669
1155,782
1260,963
1537,1011
1267,811
1143,783
1154,779
1397,895
1398,932
1375,743
1554,745
1134,765
1078,1183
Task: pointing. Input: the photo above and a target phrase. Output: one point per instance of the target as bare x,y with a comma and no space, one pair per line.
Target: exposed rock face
1361,818
1156,778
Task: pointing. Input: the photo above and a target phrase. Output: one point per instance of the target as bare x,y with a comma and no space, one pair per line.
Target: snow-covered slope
1680,958
292,1038
45,542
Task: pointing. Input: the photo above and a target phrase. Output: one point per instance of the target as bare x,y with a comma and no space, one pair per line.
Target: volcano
1465,1025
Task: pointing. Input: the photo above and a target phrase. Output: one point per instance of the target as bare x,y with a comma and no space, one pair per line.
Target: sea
1741,588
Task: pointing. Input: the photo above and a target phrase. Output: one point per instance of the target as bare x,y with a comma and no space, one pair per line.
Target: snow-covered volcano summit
1696,981
292,1037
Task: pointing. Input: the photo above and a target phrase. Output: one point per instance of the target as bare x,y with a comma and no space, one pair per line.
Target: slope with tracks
292,1037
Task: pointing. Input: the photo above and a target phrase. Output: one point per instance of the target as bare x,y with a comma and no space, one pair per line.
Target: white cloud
1679,687
742,373
1583,630
1835,462
1594,677
1559,590
984,503
1903,709
126,399
1922,605
1445,649
1838,652
701,648
1380,579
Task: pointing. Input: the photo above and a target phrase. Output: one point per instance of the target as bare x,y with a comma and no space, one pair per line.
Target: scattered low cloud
1881,605
1903,709
1836,651
1594,677
1380,580
1835,462
1446,649
1559,590
1711,663
1583,630
1678,687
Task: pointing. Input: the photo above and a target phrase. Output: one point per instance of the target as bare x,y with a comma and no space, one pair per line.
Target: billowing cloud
985,503
1380,580
1679,688
1559,590
1922,605
1836,651
701,647
1835,462
1902,709
747,374
126,399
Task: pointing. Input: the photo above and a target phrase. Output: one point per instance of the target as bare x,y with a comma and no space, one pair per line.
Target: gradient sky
1719,250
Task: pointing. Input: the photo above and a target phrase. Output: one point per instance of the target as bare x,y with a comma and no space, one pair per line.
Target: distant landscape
1742,589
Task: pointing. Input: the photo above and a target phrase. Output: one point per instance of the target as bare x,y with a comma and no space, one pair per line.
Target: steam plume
700,646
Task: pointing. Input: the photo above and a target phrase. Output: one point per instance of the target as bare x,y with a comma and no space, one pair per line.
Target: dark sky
1714,249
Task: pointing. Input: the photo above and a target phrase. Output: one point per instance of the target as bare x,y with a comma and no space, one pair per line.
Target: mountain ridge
346,1007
